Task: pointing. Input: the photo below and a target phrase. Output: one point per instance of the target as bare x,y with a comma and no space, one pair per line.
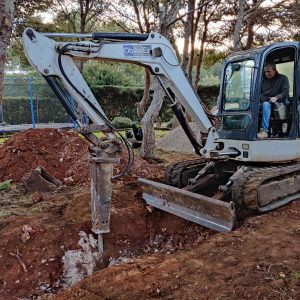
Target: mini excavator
234,168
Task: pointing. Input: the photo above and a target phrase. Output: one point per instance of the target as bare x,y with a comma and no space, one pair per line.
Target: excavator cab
240,92
242,170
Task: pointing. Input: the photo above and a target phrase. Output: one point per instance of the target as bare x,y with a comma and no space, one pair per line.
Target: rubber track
246,186
174,171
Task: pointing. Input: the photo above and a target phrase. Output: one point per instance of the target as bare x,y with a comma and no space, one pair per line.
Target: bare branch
189,12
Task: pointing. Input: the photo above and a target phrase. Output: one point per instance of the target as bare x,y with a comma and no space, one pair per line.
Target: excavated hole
136,229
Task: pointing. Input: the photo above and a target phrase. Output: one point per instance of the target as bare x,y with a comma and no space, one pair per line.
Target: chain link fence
30,101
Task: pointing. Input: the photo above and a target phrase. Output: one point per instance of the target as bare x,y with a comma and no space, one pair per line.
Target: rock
26,231
37,197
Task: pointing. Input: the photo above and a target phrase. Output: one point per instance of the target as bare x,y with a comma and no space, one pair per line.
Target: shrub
209,95
122,122
170,124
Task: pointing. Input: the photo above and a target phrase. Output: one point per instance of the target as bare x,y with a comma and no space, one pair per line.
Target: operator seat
280,118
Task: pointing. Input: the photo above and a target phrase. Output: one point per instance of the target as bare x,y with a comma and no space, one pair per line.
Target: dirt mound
63,154
176,140
55,150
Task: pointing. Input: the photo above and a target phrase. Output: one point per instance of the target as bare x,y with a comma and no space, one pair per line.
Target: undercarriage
210,191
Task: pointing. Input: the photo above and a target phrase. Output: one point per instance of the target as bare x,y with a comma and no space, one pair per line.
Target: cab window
238,82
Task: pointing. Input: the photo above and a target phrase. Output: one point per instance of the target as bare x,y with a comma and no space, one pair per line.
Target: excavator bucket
39,180
200,209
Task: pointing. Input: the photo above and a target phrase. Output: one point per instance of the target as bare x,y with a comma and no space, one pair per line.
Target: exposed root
18,257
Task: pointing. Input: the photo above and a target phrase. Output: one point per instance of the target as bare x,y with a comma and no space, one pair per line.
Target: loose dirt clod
26,231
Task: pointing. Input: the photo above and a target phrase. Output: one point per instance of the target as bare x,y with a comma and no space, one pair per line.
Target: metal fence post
31,103
37,108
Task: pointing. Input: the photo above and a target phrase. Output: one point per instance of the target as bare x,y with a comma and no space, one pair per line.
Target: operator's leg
266,114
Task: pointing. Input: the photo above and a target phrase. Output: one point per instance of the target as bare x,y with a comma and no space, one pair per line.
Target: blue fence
31,101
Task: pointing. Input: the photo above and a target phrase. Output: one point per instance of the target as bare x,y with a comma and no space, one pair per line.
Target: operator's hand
273,99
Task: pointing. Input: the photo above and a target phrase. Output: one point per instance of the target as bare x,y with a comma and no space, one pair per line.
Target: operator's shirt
278,87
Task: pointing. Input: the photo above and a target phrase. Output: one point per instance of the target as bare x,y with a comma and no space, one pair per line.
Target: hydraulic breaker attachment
102,157
203,210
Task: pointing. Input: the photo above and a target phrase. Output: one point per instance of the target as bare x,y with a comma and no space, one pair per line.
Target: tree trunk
141,106
195,24
238,26
192,41
201,52
188,25
6,22
167,13
173,43
250,37
147,122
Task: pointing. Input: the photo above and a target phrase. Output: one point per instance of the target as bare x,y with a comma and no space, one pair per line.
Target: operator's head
270,70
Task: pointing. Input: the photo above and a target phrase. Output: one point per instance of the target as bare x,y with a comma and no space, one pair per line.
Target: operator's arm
285,87
264,96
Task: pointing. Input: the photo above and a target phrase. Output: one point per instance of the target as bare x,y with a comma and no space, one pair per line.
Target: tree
209,13
167,13
6,23
80,15
238,25
248,23
159,16
26,14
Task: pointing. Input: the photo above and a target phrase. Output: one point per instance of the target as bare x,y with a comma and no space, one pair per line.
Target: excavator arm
56,62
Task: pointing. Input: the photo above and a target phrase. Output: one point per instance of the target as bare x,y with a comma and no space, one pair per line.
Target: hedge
120,101
17,111
115,101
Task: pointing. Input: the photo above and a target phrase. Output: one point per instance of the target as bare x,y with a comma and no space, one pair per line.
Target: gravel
176,140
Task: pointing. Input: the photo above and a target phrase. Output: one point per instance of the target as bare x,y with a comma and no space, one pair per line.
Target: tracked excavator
234,168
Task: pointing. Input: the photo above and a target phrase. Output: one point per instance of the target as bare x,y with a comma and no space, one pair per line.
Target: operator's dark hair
270,65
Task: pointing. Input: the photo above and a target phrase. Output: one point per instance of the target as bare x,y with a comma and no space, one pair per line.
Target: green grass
297,274
160,133
2,140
